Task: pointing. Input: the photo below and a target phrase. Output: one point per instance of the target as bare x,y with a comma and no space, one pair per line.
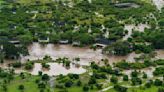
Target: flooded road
86,55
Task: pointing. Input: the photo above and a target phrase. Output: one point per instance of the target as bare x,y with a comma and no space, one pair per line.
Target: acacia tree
120,48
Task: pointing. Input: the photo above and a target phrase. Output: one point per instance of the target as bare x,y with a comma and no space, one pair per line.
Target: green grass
152,89
28,82
75,89
140,89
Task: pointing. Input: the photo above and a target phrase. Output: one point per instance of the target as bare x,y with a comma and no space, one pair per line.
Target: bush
148,85
159,71
40,73
85,88
92,80
119,88
144,75
60,86
134,74
159,62
161,90
73,76
158,82
68,83
41,85
44,65
45,77
114,79
125,78
17,64
99,86
136,81
21,87
79,83
29,65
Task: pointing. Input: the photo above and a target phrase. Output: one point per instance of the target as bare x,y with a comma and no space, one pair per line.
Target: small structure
1,48
64,41
102,42
76,43
126,5
14,42
44,40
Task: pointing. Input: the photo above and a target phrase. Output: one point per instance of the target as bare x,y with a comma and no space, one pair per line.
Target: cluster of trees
159,71
120,48
29,65
65,61
59,20
9,50
136,65
119,88
44,65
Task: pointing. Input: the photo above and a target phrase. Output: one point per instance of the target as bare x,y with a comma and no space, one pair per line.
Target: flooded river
86,55
57,69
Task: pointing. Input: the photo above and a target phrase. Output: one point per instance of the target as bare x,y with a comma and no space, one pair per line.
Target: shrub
45,77
85,88
114,79
119,88
68,83
21,87
125,78
17,64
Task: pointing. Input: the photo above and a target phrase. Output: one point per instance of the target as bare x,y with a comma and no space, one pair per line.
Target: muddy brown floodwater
86,55
57,69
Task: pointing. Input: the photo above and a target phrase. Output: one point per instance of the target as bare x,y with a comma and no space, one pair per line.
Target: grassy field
152,89
141,89
28,82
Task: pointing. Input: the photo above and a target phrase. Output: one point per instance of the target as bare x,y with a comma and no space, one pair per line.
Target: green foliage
161,90
136,81
159,62
114,79
17,64
159,71
44,65
119,88
134,73
26,39
69,83
125,78
120,48
158,82
21,87
29,65
45,77
158,40
85,88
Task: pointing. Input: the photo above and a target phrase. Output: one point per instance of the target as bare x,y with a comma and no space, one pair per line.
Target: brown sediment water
160,54
86,55
57,69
